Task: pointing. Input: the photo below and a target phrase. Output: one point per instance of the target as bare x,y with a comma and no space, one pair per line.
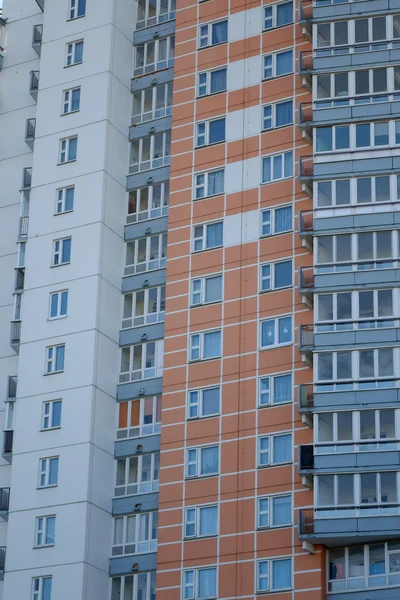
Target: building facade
199,305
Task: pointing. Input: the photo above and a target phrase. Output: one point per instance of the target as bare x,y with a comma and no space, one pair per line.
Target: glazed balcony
37,35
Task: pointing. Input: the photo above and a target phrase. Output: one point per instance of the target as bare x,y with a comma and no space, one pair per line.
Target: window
146,254
148,202
210,132
276,115
356,495
364,566
45,530
152,103
41,588
212,34
77,8
276,332
144,307
55,358
278,220
278,64
354,310
209,184
134,534
357,136
274,575
211,82
65,200
277,167
68,148
278,15
150,152
200,583
357,87
141,361
139,417
61,252
207,236
74,53
155,55
138,475
205,345
48,472
358,190
355,365
58,304
335,34
151,12
205,290
203,403
51,418
71,100
275,276
130,587
274,449
275,511
275,389
201,521
201,462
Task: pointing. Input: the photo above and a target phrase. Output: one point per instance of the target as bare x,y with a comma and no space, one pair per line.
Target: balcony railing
306,521
30,130
40,4
2,561
306,458
306,10
27,178
19,279
34,83
305,396
305,62
306,278
37,35
4,500
15,336
8,437
306,338
12,387
23,228
306,221
306,167
305,113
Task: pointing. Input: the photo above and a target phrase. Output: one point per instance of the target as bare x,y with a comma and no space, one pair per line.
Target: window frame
74,5
147,317
272,276
271,389
276,320
151,347
207,84
198,461
61,200
270,511
207,126
140,545
197,522
203,289
60,252
159,260
50,415
70,54
45,472
273,66
155,113
273,106
200,346
195,585
143,429
60,295
272,220
200,402
142,486
274,11
64,153
38,594
52,357
205,185
147,49
41,531
271,458
203,237
270,561
272,158
208,35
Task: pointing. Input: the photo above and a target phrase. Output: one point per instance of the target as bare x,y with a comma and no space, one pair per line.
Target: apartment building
199,299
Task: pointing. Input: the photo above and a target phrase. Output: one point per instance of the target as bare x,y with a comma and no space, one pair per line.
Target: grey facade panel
365,166
334,532
354,9
142,228
376,220
150,443
123,564
154,331
352,461
374,58
147,34
136,389
158,78
136,282
138,180
348,114
126,505
381,594
362,337
356,399
150,127
368,279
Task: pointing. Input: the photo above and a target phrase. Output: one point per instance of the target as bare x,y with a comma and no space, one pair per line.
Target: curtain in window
266,167
73,143
283,219
285,330
216,183
284,62
218,81
288,164
212,344
219,32
282,389
209,460
211,401
284,113
208,520
213,291
284,14
268,333
214,235
207,583
50,530
282,448
281,574
282,510
46,594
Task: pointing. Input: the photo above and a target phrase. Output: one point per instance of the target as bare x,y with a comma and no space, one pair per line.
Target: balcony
306,228
23,229
30,129
306,11
2,561
306,117
26,178
12,387
306,285
349,525
15,336
34,84
19,279
8,436
40,4
306,339
37,35
305,462
4,503
305,397
306,168
306,64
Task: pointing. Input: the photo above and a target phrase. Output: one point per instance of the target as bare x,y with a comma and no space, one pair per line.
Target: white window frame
207,83
197,462
66,108
159,18
41,531
283,176
145,372
142,429
270,511
137,545
355,364
271,458
272,276
202,291
193,345
155,113
205,33
147,317
273,106
271,389
271,588
197,520
51,359
59,253
45,471
59,297
394,192
138,147
203,237
195,399
64,156
61,198
74,9
158,63
272,220
274,10
152,211
207,125
140,487
48,415
37,582
195,584
273,56
151,262
276,332
205,185
70,53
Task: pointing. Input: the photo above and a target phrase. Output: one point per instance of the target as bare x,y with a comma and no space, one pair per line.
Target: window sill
67,162
210,144
53,373
45,487
211,94
277,26
276,180
260,528
273,404
43,546
201,418
76,18
196,477
264,79
277,127
270,235
285,287
206,303
64,212
202,360
60,265
207,197
56,318
73,64
211,45
274,465
50,429
270,592
276,346
200,537
207,249
71,112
